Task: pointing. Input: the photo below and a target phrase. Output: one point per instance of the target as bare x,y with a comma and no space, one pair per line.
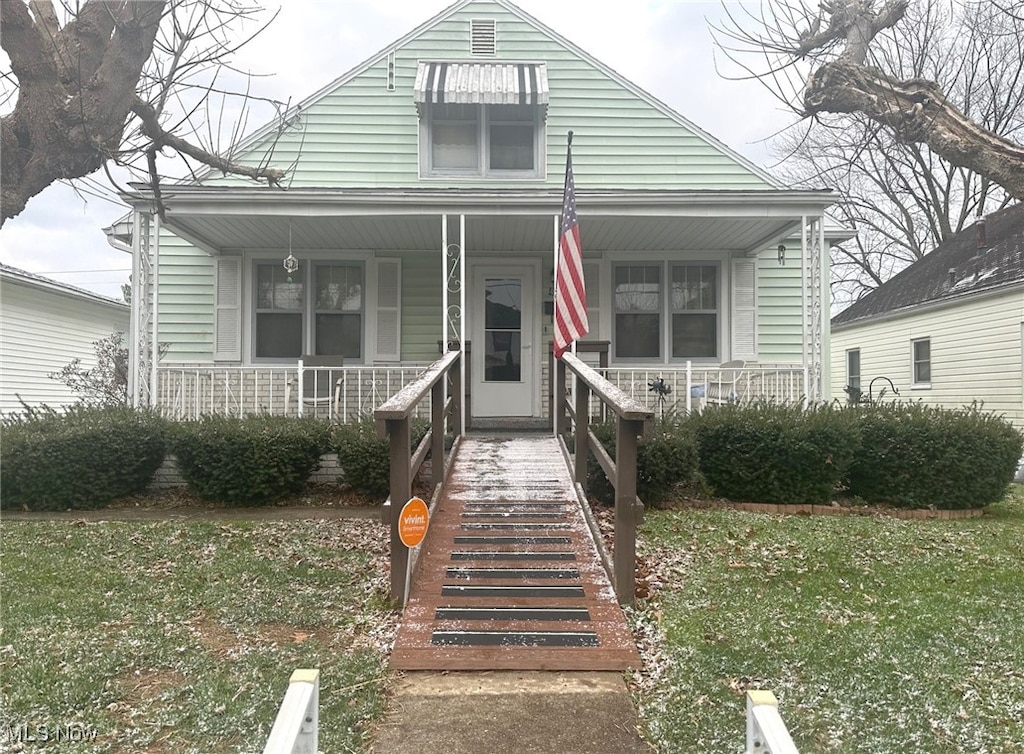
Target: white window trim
914,384
307,259
665,260
539,172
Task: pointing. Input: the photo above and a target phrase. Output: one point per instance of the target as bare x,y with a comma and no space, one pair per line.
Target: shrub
775,453
248,461
914,455
365,458
664,458
83,457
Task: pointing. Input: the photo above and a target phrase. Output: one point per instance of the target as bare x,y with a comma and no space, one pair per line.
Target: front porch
679,283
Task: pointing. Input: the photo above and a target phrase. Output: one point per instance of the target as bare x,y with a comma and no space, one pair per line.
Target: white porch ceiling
483,233
229,218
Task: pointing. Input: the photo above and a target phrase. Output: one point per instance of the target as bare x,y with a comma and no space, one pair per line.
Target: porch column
815,305
134,332
154,347
141,351
453,302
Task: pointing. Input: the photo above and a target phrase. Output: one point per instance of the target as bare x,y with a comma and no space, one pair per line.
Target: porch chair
321,387
721,387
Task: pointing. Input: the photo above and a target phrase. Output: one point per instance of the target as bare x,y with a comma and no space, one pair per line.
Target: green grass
181,637
876,635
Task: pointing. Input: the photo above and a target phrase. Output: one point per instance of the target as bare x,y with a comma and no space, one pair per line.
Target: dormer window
482,120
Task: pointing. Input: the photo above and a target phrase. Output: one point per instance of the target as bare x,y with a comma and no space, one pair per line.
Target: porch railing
191,392
632,421
690,386
393,422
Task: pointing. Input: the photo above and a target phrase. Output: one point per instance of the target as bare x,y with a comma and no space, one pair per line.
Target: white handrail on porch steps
297,727
766,732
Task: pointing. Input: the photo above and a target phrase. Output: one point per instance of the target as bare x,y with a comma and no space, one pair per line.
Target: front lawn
181,637
877,635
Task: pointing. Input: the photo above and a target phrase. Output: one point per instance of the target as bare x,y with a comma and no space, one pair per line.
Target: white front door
502,337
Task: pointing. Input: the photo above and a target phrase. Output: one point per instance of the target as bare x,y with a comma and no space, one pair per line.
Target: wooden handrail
633,420
393,418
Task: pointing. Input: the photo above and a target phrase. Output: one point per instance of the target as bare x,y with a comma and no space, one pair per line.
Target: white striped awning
482,83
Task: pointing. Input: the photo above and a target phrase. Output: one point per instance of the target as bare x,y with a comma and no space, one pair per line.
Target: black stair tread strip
513,613
511,573
511,540
521,526
497,555
512,514
516,503
494,590
515,638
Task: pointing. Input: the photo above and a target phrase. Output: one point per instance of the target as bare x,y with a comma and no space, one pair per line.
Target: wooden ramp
509,577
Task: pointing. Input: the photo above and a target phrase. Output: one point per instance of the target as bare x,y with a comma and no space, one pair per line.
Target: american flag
570,293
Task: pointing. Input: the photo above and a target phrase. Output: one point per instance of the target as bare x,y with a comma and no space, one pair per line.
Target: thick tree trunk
69,118
917,111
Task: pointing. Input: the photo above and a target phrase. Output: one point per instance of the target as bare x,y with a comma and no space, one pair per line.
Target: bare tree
116,81
827,60
902,197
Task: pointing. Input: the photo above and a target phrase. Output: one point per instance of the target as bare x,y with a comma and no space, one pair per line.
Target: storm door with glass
504,362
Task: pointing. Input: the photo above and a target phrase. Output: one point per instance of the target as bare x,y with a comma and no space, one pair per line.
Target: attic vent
391,71
482,40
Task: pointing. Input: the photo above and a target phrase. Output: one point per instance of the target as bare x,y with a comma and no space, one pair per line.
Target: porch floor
509,577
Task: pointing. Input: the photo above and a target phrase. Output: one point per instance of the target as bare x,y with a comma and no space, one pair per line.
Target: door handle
527,346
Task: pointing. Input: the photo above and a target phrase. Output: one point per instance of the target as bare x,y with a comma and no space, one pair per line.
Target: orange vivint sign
412,522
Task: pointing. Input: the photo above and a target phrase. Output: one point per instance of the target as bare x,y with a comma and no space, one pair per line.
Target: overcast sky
663,46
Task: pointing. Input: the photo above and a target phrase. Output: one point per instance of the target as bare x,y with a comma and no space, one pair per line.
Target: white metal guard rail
297,727
766,732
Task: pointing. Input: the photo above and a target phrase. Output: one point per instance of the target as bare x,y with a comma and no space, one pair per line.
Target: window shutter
388,314
744,309
227,320
592,282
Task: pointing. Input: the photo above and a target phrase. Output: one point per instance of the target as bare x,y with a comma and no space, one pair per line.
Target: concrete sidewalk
521,711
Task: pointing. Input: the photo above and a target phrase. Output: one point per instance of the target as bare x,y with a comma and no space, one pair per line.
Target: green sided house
420,212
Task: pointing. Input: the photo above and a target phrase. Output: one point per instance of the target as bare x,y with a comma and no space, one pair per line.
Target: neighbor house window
921,350
497,141
689,315
289,323
853,388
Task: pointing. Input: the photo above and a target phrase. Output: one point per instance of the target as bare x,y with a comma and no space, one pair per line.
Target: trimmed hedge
665,458
83,457
917,456
248,461
775,453
365,458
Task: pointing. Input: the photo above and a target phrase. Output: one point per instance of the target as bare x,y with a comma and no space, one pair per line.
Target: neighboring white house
421,208
44,325
949,329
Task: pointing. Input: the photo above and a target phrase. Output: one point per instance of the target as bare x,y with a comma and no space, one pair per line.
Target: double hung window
316,310
497,141
686,321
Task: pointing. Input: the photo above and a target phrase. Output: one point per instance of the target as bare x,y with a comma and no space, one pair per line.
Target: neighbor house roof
32,280
962,266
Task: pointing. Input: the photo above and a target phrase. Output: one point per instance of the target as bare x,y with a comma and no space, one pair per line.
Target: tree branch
917,111
151,127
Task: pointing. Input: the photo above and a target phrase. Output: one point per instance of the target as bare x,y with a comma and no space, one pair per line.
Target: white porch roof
222,218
